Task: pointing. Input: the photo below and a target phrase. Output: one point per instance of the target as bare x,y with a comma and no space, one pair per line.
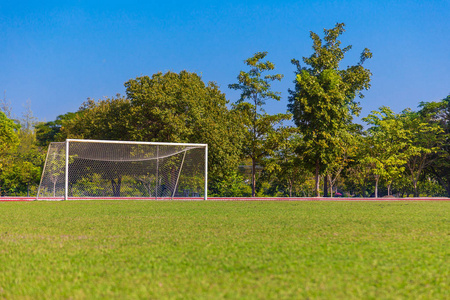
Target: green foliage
402,154
255,87
216,250
264,133
52,131
232,186
401,142
385,146
9,141
357,174
8,133
285,169
175,107
324,98
168,107
424,139
106,119
346,152
438,114
20,159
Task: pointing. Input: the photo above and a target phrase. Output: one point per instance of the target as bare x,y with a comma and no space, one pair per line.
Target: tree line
252,152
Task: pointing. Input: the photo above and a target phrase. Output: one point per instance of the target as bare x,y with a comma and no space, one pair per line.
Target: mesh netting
52,181
98,169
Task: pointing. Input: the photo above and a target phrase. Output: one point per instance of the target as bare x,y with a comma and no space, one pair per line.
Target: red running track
4,199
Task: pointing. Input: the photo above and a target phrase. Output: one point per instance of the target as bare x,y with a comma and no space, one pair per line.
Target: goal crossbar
135,143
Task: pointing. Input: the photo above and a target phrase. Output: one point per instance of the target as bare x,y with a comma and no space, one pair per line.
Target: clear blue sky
58,53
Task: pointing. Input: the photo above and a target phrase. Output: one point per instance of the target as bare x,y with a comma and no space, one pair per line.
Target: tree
357,173
232,186
424,141
348,141
5,106
400,142
20,159
106,119
27,134
180,107
51,131
9,141
386,146
29,157
285,168
8,133
170,107
438,113
323,101
264,132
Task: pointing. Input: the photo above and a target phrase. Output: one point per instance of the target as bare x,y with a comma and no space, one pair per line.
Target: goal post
78,169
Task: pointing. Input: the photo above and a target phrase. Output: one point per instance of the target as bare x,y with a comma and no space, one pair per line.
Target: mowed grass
231,250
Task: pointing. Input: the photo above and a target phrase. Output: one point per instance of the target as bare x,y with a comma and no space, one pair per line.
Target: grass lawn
231,250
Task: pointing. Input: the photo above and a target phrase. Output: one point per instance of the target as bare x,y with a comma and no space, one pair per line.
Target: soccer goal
77,169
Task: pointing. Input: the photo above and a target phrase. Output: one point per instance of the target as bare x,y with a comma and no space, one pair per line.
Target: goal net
102,169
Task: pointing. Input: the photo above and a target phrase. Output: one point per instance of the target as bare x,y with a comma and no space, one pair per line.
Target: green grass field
231,250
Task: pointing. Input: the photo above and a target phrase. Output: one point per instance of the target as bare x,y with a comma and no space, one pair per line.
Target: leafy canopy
323,100
264,133
169,107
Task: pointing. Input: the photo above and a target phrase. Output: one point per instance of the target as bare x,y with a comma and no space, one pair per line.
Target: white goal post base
86,169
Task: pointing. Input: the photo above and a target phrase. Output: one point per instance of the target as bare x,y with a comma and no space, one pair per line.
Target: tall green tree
424,144
169,107
348,146
323,100
264,133
285,169
29,157
20,158
402,142
387,141
180,107
438,113
9,141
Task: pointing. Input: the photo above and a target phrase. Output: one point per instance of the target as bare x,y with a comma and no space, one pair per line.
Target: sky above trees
57,54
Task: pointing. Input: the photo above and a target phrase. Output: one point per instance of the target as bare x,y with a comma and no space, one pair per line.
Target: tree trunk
255,117
376,186
325,186
54,188
389,189
415,178
331,187
290,188
416,190
253,177
317,178
116,186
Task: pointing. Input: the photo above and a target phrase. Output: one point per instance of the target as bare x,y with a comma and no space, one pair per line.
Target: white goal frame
188,146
